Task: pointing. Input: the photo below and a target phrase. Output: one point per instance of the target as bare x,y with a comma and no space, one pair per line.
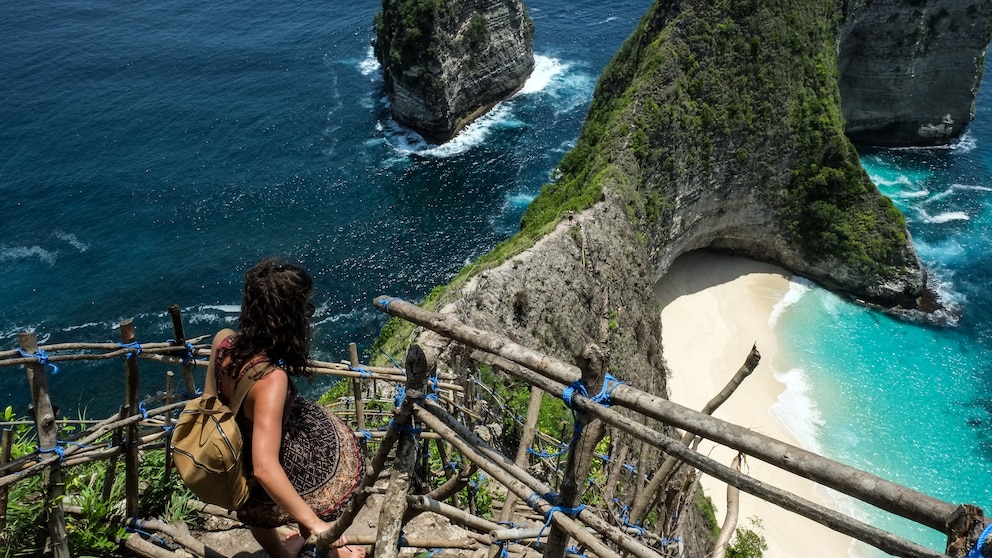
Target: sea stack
909,71
447,62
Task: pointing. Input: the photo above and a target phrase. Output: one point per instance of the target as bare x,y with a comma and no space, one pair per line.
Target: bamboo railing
442,412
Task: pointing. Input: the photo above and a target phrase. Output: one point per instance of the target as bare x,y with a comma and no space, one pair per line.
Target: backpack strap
248,377
247,380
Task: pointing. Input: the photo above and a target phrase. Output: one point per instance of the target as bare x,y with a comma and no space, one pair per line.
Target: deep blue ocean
151,153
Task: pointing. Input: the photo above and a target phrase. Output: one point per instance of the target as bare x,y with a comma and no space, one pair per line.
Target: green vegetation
406,35
733,94
747,542
95,529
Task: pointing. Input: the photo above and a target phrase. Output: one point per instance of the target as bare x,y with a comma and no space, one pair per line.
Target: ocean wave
369,65
797,288
945,217
796,410
550,76
14,253
546,70
72,240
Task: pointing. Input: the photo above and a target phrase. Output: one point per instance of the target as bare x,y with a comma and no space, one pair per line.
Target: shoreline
714,308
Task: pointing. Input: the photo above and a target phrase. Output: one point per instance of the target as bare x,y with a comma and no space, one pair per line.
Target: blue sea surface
151,153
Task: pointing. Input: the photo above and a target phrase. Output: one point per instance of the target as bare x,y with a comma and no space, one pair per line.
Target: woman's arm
264,408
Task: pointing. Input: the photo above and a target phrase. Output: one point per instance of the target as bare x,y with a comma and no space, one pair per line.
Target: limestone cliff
910,69
446,62
717,125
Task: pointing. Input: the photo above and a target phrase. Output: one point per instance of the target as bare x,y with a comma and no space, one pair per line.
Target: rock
445,63
909,71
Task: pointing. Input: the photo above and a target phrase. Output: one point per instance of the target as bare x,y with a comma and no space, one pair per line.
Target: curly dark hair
275,314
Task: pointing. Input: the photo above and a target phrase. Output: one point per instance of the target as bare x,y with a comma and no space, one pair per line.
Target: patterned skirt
322,460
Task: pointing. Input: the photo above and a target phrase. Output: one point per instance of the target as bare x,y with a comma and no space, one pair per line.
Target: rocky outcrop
910,69
446,63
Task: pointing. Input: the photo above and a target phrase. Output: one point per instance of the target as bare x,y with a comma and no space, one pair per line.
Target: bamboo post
131,438
48,440
356,388
730,518
177,328
5,444
170,380
643,501
110,474
394,503
592,363
526,441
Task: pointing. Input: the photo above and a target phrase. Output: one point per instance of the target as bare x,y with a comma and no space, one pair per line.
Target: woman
273,342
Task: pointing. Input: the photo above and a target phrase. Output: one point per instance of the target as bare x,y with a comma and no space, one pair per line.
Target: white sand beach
714,308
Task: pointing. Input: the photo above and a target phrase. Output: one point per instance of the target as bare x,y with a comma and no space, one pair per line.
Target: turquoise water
907,401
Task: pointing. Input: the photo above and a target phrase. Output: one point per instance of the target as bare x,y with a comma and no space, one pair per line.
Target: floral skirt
322,460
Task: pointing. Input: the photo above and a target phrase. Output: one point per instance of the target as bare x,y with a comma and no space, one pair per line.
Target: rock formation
717,125
447,62
910,69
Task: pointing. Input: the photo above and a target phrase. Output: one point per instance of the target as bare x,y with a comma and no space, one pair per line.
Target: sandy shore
713,309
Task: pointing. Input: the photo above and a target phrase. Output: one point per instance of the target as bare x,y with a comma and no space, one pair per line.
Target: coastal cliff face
910,69
447,62
718,125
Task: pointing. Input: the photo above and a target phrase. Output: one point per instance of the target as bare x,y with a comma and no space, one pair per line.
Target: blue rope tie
142,410
976,552
42,357
549,455
629,468
385,302
395,363
569,392
571,512
609,384
56,449
129,355
400,395
362,372
574,550
188,357
367,434
625,518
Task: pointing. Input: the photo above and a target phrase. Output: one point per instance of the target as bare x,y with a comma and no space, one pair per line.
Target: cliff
717,125
910,69
446,62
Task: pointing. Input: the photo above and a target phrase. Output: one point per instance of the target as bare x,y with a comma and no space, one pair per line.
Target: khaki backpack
207,443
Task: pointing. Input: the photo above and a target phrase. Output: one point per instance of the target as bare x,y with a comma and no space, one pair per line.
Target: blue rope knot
400,395
609,384
569,392
367,434
143,410
976,552
571,512
385,302
188,357
362,371
134,345
57,449
42,357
